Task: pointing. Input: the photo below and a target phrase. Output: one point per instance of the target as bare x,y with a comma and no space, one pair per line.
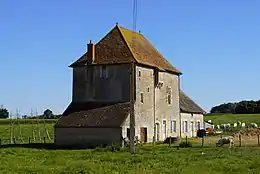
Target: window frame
103,72
173,126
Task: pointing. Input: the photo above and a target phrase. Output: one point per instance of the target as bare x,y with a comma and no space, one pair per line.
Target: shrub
184,144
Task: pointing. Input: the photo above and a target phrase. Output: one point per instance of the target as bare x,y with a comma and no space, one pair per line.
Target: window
198,125
103,72
86,74
185,126
148,89
139,73
169,99
173,126
169,95
142,97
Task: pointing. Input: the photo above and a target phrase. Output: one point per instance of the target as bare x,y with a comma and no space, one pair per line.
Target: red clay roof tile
116,47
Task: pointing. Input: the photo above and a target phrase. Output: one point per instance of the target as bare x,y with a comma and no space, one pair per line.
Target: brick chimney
91,52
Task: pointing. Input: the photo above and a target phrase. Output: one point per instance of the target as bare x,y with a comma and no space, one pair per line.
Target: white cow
253,125
243,125
235,124
226,140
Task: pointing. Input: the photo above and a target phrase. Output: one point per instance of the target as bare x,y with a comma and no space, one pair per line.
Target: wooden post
14,141
132,113
44,140
170,142
239,140
258,142
202,141
186,140
29,140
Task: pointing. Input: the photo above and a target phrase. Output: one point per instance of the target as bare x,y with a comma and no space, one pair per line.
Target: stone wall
150,108
89,86
192,130
87,136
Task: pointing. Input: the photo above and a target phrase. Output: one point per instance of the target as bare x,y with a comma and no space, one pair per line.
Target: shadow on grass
47,146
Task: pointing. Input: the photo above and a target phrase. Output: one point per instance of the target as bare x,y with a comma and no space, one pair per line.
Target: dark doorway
143,134
128,133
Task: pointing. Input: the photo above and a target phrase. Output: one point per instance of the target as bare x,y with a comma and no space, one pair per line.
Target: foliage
48,113
185,144
3,112
242,107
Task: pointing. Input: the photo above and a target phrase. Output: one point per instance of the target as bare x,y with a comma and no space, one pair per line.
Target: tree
242,107
48,114
3,112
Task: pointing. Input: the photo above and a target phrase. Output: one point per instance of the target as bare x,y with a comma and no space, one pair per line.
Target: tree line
242,107
47,114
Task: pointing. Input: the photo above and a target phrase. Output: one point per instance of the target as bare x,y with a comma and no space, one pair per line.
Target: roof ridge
129,30
191,99
128,46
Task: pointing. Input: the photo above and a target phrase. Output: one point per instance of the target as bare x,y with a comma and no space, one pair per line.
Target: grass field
160,159
26,132
26,121
148,159
232,118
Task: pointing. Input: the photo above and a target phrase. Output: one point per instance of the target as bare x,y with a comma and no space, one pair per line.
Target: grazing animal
235,124
253,125
226,140
218,127
243,125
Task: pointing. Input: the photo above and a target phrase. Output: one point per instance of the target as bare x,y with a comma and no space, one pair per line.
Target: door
157,132
192,128
164,130
143,134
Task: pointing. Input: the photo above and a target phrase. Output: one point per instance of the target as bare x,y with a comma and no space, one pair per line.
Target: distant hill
242,107
232,118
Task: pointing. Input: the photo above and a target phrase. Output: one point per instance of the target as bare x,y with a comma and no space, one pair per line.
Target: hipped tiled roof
116,47
188,105
85,106
109,116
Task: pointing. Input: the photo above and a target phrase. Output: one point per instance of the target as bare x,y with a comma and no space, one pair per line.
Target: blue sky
216,44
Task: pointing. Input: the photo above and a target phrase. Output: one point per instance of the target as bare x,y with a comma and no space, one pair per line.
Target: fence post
258,140
239,140
186,140
14,141
170,142
29,140
44,140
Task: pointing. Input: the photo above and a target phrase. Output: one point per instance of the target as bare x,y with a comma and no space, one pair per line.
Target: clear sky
216,44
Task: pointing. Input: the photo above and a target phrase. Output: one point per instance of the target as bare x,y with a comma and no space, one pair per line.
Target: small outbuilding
191,116
100,126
